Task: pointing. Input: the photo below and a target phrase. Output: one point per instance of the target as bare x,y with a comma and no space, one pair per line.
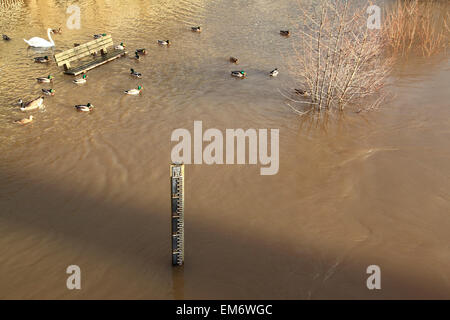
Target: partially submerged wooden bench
101,45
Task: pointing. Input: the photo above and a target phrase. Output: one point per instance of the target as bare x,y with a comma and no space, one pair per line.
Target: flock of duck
42,43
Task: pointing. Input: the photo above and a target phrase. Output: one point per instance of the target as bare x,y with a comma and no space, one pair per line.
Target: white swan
41,43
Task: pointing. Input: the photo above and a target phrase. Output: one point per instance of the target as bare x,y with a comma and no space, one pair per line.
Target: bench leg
104,51
66,66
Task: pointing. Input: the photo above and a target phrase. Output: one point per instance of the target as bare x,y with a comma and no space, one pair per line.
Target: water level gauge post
177,198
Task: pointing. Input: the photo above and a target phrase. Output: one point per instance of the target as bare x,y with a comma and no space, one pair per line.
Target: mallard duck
135,73
274,72
196,29
80,80
164,42
141,51
239,74
24,121
285,33
98,36
121,46
41,59
6,38
49,92
136,55
301,92
57,31
134,91
45,79
84,107
31,105
234,60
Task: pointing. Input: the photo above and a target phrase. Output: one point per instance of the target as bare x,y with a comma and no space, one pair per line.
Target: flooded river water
93,189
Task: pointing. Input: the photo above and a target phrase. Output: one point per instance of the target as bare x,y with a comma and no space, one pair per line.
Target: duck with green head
134,92
239,74
47,79
84,107
41,59
121,46
80,80
98,36
49,92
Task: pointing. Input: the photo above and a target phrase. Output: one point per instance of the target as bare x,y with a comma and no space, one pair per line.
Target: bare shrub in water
416,25
339,60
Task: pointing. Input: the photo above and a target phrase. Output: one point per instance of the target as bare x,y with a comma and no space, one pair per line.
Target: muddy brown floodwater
93,189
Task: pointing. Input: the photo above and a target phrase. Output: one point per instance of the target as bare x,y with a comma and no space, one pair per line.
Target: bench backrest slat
83,50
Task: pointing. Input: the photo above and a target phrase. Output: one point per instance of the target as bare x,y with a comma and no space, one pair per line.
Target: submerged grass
413,26
339,60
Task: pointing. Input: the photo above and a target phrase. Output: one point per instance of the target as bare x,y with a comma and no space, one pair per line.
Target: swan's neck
50,37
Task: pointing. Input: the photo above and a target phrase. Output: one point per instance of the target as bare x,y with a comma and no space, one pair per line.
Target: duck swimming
49,92
234,60
24,121
84,107
6,38
32,105
274,72
136,55
285,33
164,42
98,36
141,51
196,29
239,74
135,73
121,46
80,80
41,59
134,91
45,79
301,92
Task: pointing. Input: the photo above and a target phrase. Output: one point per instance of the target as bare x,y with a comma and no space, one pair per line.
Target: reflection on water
92,189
